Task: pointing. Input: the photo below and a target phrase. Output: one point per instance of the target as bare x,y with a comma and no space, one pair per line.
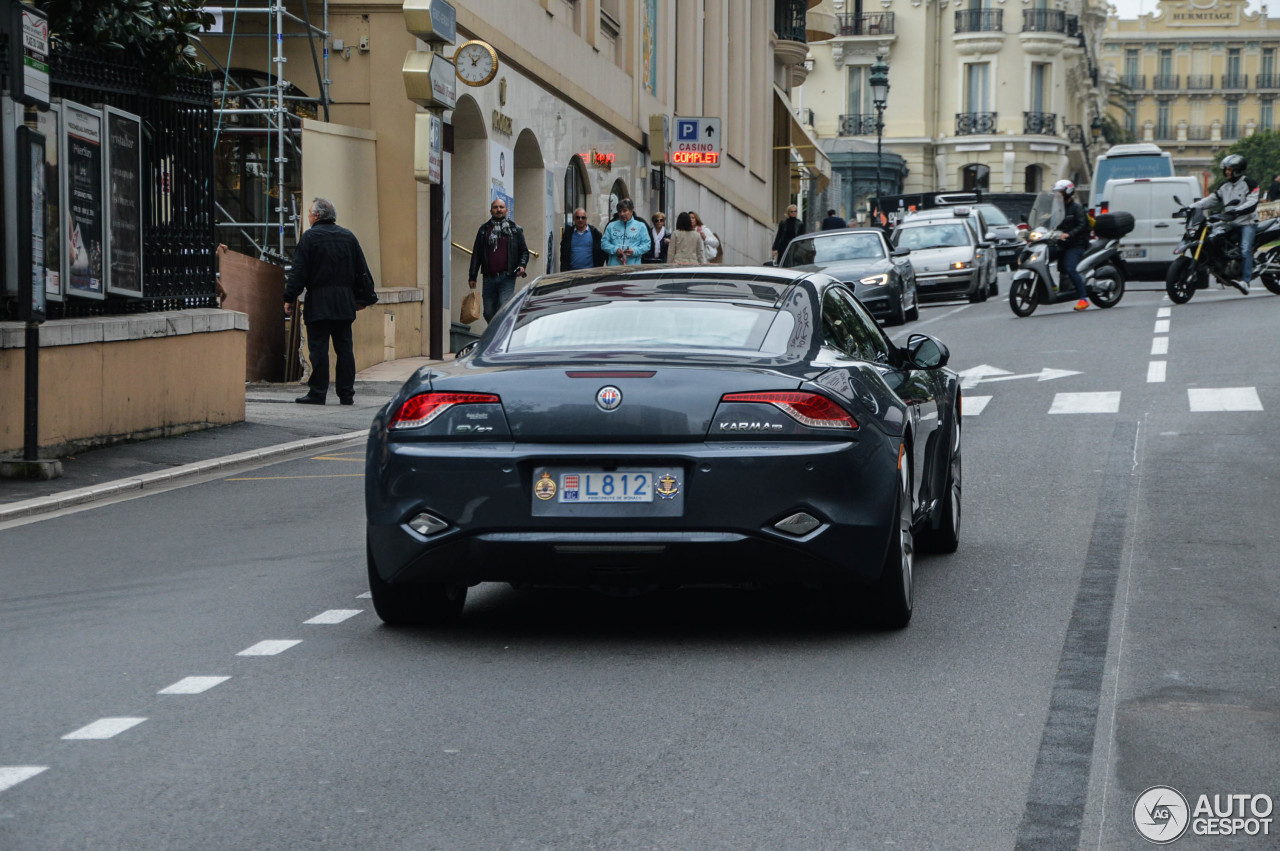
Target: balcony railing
975,123
1040,123
1235,81
1267,81
858,125
872,23
1199,82
789,18
980,21
1198,133
1231,131
1165,133
1165,82
1073,27
1044,21
1133,82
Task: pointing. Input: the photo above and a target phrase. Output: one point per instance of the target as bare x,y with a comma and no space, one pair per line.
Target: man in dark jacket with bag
500,253
330,266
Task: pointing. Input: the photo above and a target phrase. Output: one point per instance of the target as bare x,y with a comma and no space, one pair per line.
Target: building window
977,87
1132,60
1162,120
1231,127
1166,62
1131,117
1268,61
860,102
1233,62
977,177
1034,178
1039,84
1267,117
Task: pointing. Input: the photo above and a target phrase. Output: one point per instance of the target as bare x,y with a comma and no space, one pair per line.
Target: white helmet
1066,187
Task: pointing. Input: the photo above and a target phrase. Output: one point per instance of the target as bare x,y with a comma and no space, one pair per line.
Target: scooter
1211,245
1036,283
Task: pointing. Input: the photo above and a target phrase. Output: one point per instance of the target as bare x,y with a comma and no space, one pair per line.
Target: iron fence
858,124
1267,81
1165,82
1199,82
975,123
1040,123
1235,81
870,23
178,242
979,20
1044,21
789,19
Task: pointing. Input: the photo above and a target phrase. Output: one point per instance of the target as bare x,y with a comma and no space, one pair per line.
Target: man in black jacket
500,253
833,221
330,266
1075,230
580,244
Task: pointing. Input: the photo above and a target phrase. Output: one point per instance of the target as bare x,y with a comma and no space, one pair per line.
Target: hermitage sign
1210,14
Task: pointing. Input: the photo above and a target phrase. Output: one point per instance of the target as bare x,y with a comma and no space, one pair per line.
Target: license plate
1135,252
630,486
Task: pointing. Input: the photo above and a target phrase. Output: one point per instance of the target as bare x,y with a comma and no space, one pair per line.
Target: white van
1149,249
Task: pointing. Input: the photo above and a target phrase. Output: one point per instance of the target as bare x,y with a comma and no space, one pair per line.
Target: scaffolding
278,107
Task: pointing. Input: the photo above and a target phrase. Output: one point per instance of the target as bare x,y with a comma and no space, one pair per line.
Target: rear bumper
733,494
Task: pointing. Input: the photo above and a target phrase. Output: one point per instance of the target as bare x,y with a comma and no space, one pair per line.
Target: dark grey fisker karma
664,426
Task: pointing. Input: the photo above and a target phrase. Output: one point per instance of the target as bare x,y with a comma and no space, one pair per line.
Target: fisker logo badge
545,488
668,486
608,398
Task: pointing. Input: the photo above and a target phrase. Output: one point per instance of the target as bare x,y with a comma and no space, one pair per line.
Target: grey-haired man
330,266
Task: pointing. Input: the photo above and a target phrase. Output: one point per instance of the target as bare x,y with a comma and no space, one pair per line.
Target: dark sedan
648,427
880,275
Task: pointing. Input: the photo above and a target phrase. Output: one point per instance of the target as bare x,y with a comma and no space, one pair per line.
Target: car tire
946,538
899,314
893,597
413,605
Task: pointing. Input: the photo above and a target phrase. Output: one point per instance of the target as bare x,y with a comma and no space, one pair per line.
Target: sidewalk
274,425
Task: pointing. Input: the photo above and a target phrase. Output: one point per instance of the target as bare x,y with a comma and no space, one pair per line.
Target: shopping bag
471,308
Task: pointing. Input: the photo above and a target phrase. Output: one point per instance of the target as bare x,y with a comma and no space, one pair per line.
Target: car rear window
834,249
1115,168
682,325
994,215
941,235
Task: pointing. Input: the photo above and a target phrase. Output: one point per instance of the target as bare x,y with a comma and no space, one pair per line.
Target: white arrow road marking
12,775
1208,399
193,685
974,405
104,728
334,616
1086,403
1045,374
975,374
268,648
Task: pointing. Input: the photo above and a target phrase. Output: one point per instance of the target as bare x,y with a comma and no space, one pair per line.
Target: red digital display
695,157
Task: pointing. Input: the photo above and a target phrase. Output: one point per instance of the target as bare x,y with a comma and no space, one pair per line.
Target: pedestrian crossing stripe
1086,403
1215,399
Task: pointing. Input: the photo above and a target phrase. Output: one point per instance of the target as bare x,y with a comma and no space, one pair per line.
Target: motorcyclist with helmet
1075,230
1238,196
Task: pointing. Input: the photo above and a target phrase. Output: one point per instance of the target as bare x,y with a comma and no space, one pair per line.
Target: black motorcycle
1103,269
1211,245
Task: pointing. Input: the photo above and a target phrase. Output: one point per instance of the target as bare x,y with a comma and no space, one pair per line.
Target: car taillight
1104,207
419,410
805,408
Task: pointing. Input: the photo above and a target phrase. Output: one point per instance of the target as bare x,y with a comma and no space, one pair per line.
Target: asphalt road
1109,624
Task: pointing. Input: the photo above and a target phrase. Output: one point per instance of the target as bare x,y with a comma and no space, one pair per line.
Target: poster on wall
81,181
649,46
49,123
123,167
502,177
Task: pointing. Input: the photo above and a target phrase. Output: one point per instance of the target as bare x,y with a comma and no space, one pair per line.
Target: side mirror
990,237
985,246
1178,201
467,349
924,352
900,252
1179,214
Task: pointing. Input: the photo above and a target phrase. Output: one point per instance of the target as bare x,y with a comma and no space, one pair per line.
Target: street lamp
879,84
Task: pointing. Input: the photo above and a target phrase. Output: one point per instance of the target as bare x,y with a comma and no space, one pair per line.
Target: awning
805,151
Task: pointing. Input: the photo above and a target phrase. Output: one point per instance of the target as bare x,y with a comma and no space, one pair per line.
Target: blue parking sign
686,130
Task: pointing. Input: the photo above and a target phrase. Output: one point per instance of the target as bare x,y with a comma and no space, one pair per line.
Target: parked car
653,426
880,275
1149,248
981,255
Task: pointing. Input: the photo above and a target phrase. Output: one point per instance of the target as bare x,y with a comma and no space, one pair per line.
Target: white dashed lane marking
1155,372
367,595
1207,399
1159,345
1163,312
268,648
1162,326
334,616
12,775
974,405
1086,403
193,685
104,728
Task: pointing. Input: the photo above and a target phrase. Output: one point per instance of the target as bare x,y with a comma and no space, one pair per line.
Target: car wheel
899,314
413,605
893,597
946,538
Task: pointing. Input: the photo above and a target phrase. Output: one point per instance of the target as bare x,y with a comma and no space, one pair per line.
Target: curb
81,496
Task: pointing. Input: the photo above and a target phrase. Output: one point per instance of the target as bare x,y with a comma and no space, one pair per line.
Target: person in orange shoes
1075,238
